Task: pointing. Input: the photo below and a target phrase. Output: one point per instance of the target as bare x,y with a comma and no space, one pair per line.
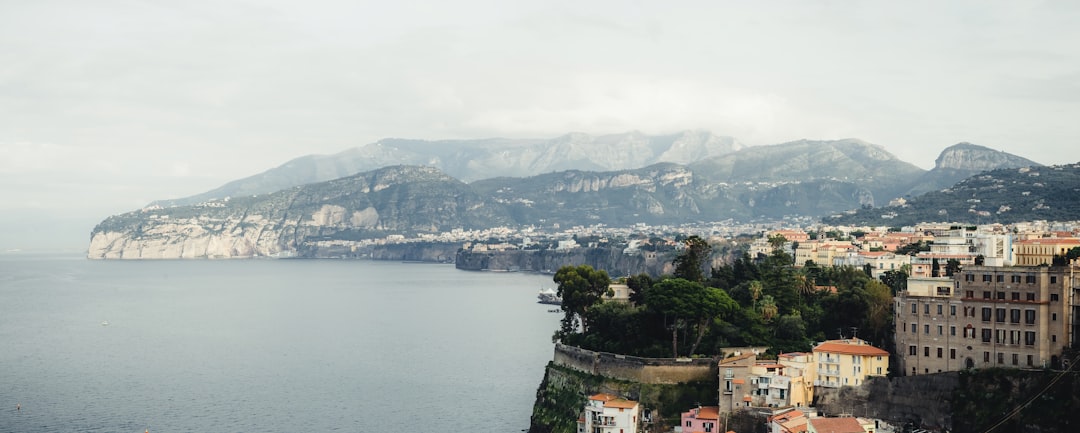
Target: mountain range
723,181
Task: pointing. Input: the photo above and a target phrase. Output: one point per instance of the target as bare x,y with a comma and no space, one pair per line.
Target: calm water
267,346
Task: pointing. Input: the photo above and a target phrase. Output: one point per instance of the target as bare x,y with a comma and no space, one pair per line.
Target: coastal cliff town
964,299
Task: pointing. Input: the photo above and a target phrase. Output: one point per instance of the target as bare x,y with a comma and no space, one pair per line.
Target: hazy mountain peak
973,157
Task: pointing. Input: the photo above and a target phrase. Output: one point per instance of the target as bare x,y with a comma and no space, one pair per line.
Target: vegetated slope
476,159
963,160
998,196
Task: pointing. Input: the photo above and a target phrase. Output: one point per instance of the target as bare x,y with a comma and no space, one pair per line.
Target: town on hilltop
962,299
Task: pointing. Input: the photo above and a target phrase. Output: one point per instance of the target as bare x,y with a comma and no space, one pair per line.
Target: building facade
606,413
986,316
848,362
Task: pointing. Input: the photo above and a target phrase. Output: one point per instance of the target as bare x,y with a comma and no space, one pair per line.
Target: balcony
830,360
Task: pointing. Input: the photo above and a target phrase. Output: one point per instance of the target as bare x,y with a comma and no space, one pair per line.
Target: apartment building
986,316
848,362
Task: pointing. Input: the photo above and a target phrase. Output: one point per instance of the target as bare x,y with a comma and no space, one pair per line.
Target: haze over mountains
722,181
470,160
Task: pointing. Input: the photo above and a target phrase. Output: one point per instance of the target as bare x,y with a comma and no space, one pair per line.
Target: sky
108,105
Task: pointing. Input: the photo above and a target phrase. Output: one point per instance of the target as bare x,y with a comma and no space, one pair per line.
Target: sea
267,346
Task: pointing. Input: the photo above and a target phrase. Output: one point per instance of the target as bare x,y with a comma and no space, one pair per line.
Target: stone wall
924,400
635,369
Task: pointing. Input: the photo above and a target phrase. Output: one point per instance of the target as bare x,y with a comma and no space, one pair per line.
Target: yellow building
848,362
1035,252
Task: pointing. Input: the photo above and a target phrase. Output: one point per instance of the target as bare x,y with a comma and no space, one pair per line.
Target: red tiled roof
837,425
621,403
708,412
746,398
738,381
849,349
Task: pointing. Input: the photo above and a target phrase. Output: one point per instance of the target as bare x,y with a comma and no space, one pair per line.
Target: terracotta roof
837,425
738,381
736,358
836,346
603,397
1049,241
708,412
746,398
621,403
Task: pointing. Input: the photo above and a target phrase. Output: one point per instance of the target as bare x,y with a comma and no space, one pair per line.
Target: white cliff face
195,238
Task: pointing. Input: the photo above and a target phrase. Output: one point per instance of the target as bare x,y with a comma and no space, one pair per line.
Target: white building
606,413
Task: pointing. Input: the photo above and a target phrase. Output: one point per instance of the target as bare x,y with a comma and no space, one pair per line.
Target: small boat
549,296
554,311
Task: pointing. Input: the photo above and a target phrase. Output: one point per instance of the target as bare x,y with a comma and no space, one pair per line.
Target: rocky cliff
611,260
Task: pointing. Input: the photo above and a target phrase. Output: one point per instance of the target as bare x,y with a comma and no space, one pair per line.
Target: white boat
549,296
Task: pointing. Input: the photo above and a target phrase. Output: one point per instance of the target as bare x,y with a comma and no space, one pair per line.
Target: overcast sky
108,105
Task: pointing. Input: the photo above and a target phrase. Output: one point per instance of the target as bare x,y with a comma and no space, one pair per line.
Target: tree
688,303
777,241
952,266
638,284
690,264
579,287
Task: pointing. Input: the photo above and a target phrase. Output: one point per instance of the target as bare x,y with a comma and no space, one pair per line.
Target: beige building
1041,251
848,362
985,316
734,382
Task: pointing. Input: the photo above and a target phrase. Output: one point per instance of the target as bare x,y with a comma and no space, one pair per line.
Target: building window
1053,279
952,310
1014,315
1001,358
986,294
926,309
1029,338
939,307
926,329
1029,317
986,313
1031,296
952,353
914,308
1030,279
1015,296
926,351
1001,296
1030,360
1053,317
912,350
1015,279
1053,297
939,352
940,330
1000,278
987,334
1000,316
986,356
986,278
999,336
952,331
969,277
969,293
1053,338
1016,359
914,329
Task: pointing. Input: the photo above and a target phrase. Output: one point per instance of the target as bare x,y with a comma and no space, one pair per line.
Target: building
848,362
790,421
618,292
986,316
734,378
701,420
927,323
606,413
1041,251
836,425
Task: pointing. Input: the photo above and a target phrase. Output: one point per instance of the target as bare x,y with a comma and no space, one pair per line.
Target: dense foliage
748,302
